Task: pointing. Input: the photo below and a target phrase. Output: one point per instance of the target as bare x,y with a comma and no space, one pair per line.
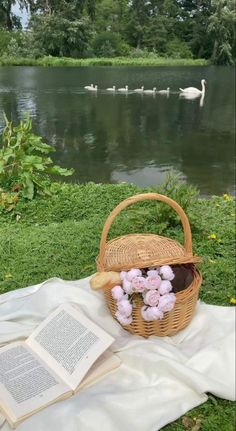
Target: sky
22,14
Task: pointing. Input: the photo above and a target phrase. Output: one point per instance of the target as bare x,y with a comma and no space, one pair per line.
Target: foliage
176,48
183,29
59,36
150,59
8,20
108,44
5,38
222,29
24,163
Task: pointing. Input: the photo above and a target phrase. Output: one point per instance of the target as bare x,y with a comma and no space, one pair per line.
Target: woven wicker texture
173,321
145,250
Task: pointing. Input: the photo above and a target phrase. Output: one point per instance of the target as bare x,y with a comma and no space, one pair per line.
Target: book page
26,383
69,343
108,361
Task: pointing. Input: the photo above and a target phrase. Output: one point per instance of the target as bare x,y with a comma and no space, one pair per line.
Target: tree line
110,28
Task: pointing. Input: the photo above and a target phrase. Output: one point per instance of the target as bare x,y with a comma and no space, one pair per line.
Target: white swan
93,88
164,91
153,91
88,86
139,90
113,88
124,90
193,96
194,90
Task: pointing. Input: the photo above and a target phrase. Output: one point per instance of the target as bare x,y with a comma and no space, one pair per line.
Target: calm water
133,138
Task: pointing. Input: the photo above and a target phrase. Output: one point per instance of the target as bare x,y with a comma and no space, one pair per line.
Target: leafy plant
177,48
25,167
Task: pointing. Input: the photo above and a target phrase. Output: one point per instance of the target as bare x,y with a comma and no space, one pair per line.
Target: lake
130,137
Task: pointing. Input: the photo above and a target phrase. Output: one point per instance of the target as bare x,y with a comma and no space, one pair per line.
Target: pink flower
124,307
166,272
133,273
152,272
117,292
139,284
124,320
151,297
127,286
123,275
167,302
165,287
153,282
151,313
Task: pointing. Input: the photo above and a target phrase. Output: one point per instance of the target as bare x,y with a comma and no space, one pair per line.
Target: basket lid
143,251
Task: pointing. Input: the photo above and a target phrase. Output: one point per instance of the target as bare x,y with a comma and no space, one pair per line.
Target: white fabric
160,378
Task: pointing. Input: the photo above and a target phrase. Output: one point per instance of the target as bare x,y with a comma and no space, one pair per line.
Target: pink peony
133,273
166,272
124,320
151,297
123,275
127,286
151,313
117,292
124,307
153,282
152,272
139,284
165,287
167,302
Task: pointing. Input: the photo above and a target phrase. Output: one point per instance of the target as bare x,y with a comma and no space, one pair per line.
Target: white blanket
160,378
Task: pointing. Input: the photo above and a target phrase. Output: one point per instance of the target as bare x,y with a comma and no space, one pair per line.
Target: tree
72,8
221,28
58,36
7,19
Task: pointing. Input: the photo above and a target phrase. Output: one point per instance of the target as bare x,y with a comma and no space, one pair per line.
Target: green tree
59,36
111,15
72,9
221,28
9,20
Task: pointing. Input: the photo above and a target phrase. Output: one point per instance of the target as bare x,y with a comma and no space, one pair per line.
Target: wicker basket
147,250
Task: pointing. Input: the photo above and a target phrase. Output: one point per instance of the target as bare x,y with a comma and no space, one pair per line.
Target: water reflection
192,96
112,136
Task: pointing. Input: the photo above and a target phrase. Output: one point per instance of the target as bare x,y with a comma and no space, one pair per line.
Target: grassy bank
59,236
117,61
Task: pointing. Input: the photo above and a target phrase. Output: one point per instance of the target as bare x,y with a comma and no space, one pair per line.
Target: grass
117,61
59,236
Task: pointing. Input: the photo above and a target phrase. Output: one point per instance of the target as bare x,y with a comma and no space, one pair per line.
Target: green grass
59,236
117,61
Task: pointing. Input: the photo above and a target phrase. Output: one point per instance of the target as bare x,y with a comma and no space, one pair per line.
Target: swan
113,88
153,91
124,90
93,88
88,86
194,90
164,91
193,96
139,90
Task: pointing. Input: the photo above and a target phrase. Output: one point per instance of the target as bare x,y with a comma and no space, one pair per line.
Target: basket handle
141,197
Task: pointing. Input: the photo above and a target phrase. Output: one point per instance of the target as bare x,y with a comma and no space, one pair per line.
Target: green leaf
57,170
28,190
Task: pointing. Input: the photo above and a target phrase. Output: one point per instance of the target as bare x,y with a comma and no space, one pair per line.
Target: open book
65,353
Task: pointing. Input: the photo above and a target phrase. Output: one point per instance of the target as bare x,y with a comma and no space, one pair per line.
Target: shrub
5,38
25,167
108,44
176,48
